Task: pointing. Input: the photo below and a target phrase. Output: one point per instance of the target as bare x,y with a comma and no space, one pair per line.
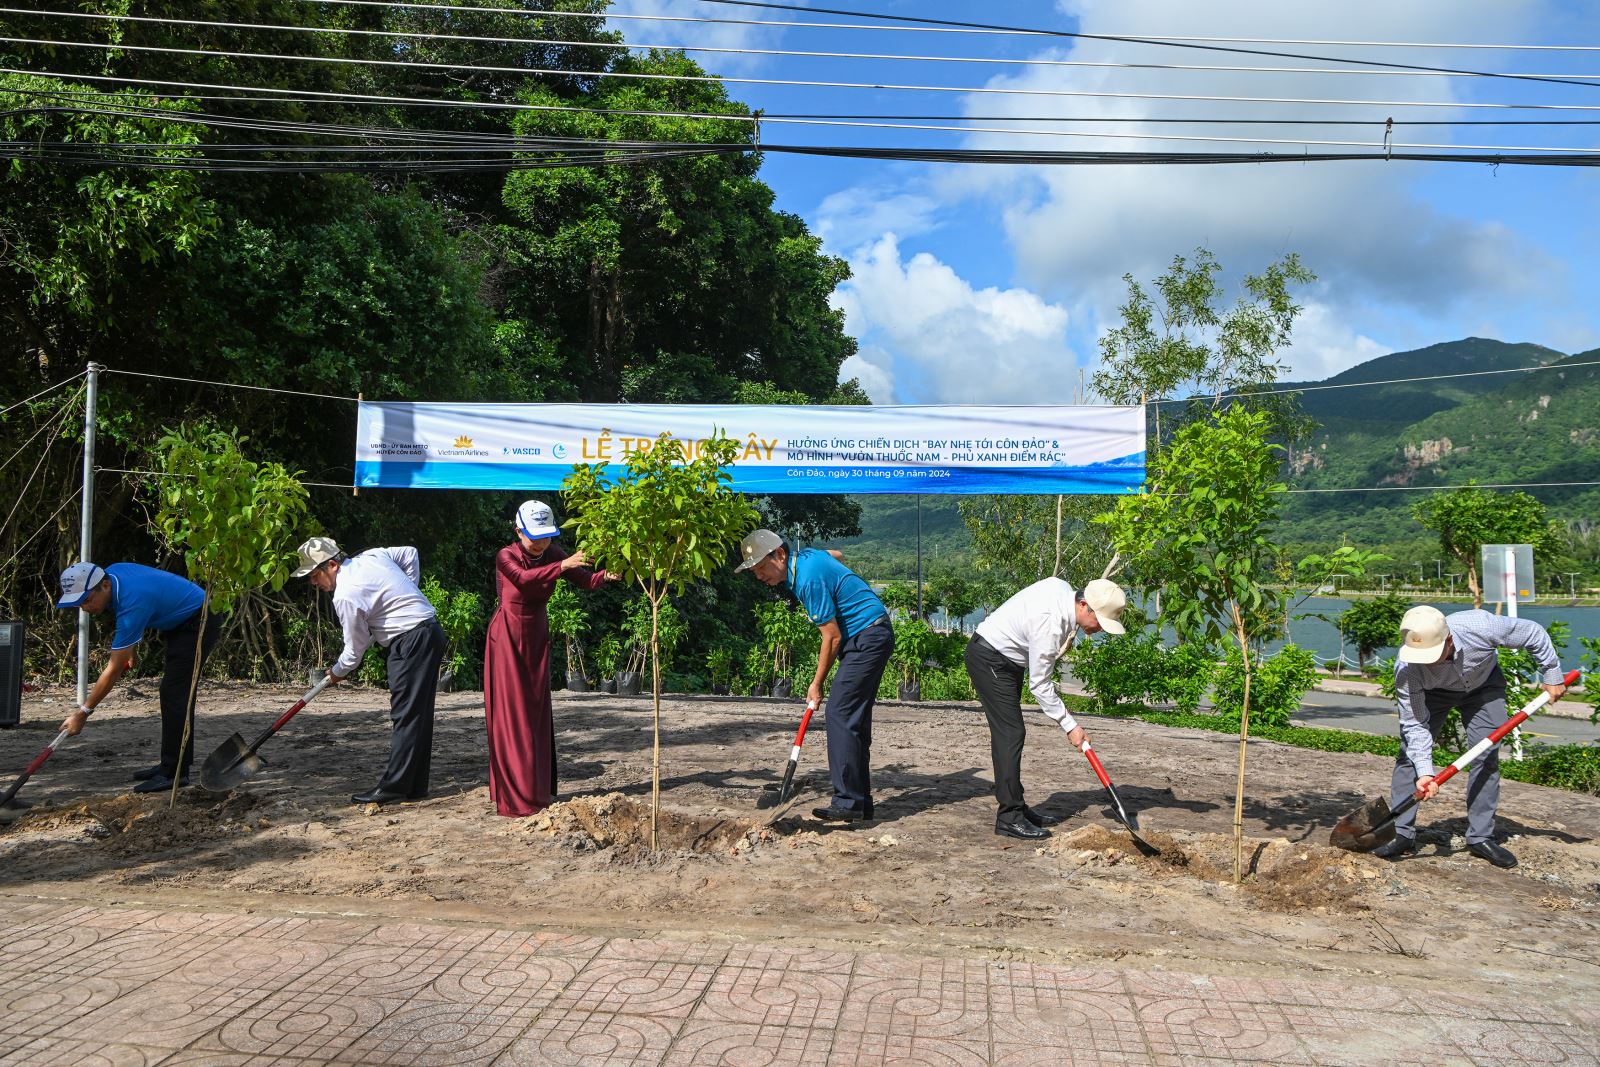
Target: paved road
141,987
1375,716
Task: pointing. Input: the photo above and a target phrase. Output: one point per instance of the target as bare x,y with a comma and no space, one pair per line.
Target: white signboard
1493,568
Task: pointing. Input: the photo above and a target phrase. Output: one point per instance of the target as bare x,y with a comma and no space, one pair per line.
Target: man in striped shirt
1451,662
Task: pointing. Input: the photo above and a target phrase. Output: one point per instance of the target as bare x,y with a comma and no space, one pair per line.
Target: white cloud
1384,244
854,217
936,339
1325,344
870,366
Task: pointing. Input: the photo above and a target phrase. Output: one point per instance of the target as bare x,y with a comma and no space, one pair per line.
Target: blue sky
991,284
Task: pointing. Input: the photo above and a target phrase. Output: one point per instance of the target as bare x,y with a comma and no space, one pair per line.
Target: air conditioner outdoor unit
11,639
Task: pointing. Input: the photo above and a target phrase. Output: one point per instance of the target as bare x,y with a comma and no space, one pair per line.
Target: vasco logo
524,451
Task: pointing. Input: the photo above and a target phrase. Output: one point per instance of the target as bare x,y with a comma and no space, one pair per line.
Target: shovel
8,810
786,787
1129,822
1372,824
234,762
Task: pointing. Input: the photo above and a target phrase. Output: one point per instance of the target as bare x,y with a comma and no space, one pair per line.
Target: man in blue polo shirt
855,632
143,598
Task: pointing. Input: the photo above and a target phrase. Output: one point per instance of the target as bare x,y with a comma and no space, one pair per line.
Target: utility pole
1572,583
1383,583
1420,578
1438,571
1453,578
86,519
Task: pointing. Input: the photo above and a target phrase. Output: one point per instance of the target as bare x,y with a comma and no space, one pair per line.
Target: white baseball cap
1106,599
757,546
314,553
1422,635
536,520
77,582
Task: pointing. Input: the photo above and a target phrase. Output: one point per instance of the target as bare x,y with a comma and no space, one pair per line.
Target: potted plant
757,670
913,644
784,630
720,662
607,653
569,621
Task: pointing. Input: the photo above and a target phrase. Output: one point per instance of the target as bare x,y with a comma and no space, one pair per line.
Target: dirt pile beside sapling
136,823
1281,875
622,825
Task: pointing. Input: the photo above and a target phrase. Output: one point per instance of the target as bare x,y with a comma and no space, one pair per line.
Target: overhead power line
1560,79
1160,42
812,25
725,80
1391,381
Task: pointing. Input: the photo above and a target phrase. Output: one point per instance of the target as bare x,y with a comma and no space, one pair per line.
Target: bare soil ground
928,875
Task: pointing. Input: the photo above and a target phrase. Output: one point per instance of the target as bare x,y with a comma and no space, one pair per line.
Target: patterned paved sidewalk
115,987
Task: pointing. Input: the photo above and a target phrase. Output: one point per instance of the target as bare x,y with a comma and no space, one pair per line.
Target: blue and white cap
77,582
536,520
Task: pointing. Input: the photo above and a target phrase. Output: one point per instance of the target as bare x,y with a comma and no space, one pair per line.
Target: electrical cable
1389,381
173,474
224,385
71,498
792,82
59,417
1557,79
46,425
1164,43
609,15
42,392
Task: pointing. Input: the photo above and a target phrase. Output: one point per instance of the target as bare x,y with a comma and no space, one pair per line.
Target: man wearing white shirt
377,599
1028,634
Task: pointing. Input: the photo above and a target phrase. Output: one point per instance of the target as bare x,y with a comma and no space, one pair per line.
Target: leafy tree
954,595
1181,337
461,616
664,521
232,520
1373,624
900,598
569,620
1200,531
1015,539
1466,519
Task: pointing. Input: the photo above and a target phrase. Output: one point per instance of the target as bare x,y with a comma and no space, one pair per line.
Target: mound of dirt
143,823
1281,875
622,824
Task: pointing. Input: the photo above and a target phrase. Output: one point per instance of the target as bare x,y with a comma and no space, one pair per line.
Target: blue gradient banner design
955,449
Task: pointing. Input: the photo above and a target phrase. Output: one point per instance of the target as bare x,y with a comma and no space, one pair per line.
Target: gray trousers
1482,711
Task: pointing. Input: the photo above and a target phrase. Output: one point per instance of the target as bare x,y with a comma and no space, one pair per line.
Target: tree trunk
1472,584
655,759
605,327
1244,737
1056,571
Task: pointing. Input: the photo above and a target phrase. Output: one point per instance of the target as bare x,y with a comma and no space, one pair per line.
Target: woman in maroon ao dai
516,662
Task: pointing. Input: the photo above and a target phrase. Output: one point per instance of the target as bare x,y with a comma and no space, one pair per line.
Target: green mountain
1521,428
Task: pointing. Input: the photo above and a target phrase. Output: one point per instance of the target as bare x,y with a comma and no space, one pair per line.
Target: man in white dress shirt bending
1026,636
377,599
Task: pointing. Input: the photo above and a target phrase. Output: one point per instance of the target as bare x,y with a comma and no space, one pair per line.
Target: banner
782,449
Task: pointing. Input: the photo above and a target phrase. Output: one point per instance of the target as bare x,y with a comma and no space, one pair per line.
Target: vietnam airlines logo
463,446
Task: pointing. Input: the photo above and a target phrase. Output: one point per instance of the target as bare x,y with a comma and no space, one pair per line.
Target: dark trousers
414,659
999,685
862,659
183,643
1482,712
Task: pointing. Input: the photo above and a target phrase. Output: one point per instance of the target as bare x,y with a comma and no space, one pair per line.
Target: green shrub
1279,683
1183,675
1117,669
948,683
1574,767
914,643
462,617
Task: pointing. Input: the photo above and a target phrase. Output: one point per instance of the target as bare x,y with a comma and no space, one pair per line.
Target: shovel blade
1365,828
230,766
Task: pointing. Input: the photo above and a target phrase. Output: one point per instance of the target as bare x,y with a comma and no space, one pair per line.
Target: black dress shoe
1039,818
148,773
1020,828
1394,849
841,815
1494,853
159,783
377,796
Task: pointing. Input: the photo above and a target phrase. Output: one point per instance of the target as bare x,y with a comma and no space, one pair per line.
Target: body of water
1323,639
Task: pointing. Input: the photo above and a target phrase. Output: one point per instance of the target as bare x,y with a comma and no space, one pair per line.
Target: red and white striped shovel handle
1466,758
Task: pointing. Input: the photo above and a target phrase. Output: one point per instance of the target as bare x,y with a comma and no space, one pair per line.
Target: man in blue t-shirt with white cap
856,633
143,598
